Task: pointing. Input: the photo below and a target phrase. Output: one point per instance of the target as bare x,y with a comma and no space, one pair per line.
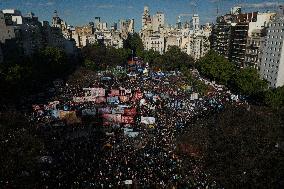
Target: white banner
148,120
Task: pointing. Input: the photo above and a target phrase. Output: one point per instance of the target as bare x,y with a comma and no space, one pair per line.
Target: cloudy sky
80,12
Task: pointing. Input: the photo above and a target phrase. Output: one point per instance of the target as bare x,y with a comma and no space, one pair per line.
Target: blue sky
81,12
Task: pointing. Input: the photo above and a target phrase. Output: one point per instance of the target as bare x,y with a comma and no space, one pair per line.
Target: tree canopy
247,81
173,59
216,67
134,42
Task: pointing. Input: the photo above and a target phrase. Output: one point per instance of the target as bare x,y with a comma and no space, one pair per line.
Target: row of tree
213,66
245,81
21,75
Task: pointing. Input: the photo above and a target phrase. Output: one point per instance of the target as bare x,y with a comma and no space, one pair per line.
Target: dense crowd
123,132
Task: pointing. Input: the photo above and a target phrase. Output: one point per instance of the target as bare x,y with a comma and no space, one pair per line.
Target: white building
155,42
126,27
199,45
255,38
272,60
145,17
195,22
158,21
7,29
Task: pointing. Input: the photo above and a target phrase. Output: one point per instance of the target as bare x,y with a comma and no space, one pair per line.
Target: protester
114,133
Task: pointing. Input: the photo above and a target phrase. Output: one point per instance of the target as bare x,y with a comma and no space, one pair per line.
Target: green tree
246,81
216,67
150,56
173,59
134,42
275,97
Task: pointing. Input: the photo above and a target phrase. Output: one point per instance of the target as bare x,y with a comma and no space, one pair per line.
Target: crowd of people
123,132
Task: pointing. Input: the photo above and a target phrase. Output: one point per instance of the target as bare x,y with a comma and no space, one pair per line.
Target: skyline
81,12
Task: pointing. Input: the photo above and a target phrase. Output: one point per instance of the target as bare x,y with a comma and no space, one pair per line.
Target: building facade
271,61
238,36
156,35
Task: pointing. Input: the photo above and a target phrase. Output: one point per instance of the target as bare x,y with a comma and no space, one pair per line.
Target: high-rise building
221,35
271,62
256,34
235,36
195,22
7,29
158,21
126,27
145,17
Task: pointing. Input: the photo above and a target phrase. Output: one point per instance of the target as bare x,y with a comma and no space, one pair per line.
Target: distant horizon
81,12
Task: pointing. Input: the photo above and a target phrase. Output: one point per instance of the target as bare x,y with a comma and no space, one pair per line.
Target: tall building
158,36
97,22
178,23
7,27
126,27
256,35
237,36
271,62
195,22
145,17
221,35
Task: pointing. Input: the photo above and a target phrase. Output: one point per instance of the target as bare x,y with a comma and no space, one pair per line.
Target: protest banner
78,99
138,95
52,105
123,98
130,111
118,110
127,119
114,92
69,116
100,99
113,100
94,92
89,112
147,120
105,110
109,119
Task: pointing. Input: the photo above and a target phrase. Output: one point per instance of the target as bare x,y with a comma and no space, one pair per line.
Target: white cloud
49,3
260,5
106,6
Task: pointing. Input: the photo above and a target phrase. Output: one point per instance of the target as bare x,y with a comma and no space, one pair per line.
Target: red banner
127,119
113,118
123,98
114,92
130,111
100,100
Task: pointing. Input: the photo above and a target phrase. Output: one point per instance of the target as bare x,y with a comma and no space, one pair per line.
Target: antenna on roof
194,4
